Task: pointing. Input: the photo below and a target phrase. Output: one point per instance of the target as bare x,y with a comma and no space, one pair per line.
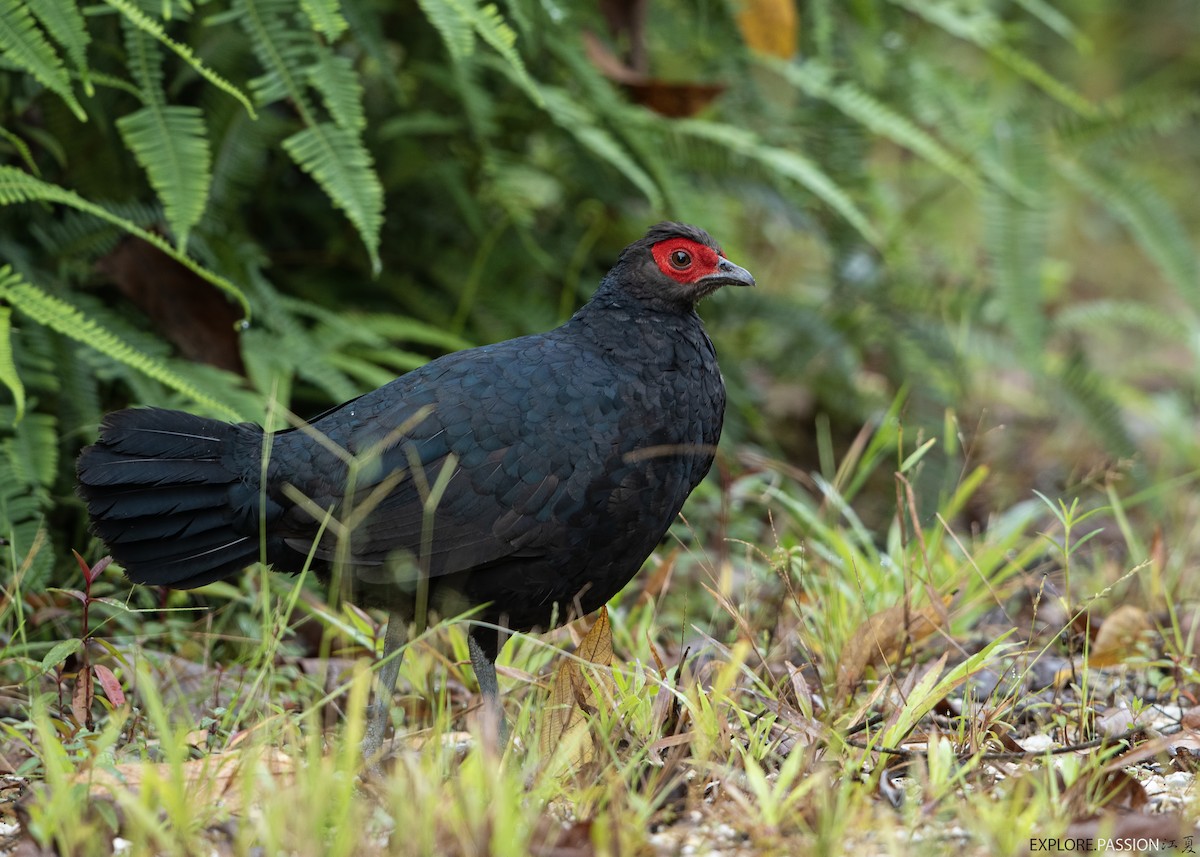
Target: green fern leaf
33,453
169,142
326,17
23,44
983,29
284,51
1091,394
335,78
148,25
1161,324
8,367
789,164
28,465
341,165
17,187
817,80
490,25
569,114
22,149
452,25
61,317
62,20
1015,240
1150,219
1058,22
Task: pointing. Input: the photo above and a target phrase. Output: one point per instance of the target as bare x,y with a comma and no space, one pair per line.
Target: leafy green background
976,220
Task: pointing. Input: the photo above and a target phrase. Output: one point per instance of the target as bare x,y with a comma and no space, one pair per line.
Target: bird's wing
469,462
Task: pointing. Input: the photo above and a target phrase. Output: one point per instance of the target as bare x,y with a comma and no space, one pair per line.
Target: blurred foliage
985,205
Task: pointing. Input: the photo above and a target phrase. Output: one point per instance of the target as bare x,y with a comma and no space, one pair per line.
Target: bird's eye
681,259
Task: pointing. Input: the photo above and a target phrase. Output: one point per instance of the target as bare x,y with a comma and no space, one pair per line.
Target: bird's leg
495,730
378,711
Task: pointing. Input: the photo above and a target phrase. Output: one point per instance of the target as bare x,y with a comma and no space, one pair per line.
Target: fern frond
170,142
341,91
63,318
1162,324
17,187
284,51
28,464
1089,392
1015,240
33,453
981,28
787,163
22,150
23,44
458,22
817,80
1129,121
8,367
65,24
490,26
455,29
574,118
1150,220
148,25
1058,22
326,17
341,165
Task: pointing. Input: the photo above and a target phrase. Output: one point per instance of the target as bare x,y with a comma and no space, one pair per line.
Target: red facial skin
702,260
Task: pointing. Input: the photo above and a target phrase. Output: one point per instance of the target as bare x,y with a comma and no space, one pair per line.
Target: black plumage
533,476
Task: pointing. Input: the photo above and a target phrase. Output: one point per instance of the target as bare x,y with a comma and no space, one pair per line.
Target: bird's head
675,265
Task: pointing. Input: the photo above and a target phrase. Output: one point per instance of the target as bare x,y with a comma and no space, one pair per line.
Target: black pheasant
532,477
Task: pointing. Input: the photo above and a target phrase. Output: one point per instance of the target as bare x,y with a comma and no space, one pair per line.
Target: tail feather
160,488
163,526
142,500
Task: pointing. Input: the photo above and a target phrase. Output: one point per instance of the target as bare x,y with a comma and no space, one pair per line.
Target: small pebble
1179,780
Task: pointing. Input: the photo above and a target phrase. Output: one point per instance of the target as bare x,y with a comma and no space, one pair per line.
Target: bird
528,480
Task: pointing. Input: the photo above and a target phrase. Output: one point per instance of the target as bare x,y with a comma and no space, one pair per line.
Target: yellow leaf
770,26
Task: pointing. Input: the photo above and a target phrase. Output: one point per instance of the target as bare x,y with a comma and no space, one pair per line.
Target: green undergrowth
784,680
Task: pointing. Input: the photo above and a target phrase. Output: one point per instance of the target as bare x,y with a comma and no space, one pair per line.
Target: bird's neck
639,331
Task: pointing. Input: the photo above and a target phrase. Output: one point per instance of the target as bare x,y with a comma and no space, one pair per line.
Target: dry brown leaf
660,578
212,778
769,26
675,99
81,700
1119,635
564,731
881,638
1114,789
189,311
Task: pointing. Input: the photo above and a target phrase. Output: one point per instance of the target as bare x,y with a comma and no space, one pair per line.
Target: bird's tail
173,495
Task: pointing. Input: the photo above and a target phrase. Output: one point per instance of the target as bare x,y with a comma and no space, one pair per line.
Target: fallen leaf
213,778
1109,790
1119,636
881,639
565,737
